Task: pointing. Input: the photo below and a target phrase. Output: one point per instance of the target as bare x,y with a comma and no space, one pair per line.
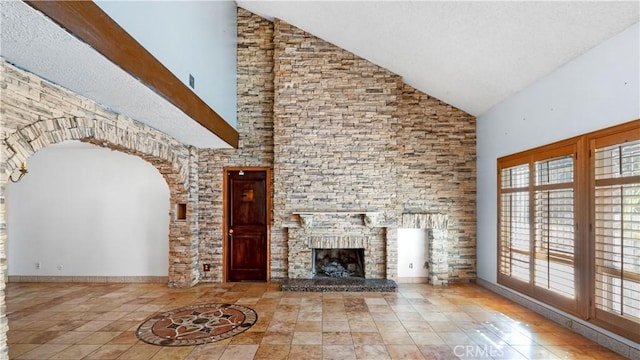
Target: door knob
230,231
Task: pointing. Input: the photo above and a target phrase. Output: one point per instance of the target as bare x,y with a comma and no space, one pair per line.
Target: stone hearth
339,284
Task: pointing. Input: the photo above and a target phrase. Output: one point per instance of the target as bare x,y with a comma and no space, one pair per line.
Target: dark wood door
247,226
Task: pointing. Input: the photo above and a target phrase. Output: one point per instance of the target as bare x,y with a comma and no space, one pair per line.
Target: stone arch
176,162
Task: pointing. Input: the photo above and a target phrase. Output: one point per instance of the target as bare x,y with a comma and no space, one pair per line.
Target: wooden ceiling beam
86,21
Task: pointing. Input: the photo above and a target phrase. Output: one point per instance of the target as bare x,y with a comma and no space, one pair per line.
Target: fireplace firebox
338,263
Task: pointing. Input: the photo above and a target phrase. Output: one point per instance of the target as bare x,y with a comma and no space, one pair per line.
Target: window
616,194
537,225
554,225
515,229
569,226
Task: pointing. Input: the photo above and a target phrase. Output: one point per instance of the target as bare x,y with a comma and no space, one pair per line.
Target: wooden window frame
530,157
583,147
611,136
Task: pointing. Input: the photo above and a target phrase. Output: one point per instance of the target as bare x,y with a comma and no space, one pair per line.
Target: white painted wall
597,90
95,211
188,37
412,252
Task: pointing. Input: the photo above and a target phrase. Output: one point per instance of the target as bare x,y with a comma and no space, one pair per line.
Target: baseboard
616,343
412,280
88,279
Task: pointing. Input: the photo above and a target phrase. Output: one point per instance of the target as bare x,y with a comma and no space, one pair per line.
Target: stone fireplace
343,241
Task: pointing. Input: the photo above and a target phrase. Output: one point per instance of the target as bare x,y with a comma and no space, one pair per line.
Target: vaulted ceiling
472,55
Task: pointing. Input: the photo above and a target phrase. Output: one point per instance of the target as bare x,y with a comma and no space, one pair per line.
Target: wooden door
247,226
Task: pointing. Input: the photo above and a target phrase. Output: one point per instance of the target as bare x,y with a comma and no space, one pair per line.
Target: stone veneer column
335,146
437,172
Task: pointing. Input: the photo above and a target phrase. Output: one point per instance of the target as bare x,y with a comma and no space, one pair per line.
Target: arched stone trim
176,162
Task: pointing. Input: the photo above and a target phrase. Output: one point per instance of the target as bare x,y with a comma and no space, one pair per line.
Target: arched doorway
90,214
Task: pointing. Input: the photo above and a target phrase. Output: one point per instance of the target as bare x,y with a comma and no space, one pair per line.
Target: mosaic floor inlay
196,324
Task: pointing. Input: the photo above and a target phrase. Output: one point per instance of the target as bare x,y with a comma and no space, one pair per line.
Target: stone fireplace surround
336,230
363,230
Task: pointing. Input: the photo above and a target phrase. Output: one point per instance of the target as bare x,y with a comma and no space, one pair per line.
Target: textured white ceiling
472,55
33,42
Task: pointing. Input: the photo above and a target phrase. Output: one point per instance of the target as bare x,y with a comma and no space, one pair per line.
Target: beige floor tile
363,326
336,338
456,338
108,352
309,316
172,353
141,351
307,338
247,338
437,352
309,326
16,350
396,338
359,316
33,337
384,316
417,326
338,352
277,338
99,338
125,338
75,352
281,326
404,352
390,326
366,338
305,352
272,352
71,337
534,352
40,351
332,326
334,316
206,352
94,325
236,352
426,338
377,352
409,316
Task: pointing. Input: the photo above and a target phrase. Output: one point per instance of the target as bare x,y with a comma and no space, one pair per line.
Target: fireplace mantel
307,219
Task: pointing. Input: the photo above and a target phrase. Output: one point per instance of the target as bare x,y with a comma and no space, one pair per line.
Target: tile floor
98,321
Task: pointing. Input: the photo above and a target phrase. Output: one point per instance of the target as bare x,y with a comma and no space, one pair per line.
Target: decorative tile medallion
196,324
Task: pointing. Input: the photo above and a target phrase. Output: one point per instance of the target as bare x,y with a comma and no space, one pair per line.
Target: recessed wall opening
181,211
338,263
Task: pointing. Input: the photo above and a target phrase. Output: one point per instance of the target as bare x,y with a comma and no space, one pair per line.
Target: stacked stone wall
350,136
437,172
